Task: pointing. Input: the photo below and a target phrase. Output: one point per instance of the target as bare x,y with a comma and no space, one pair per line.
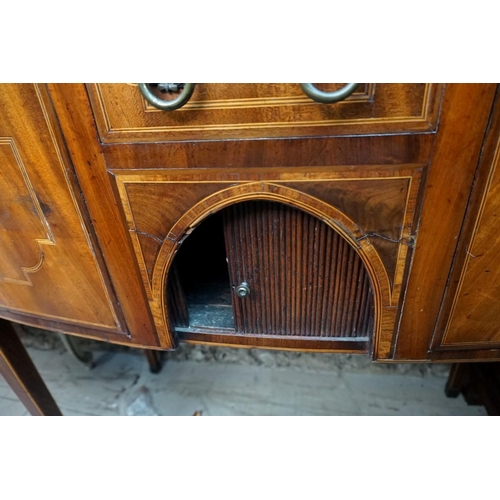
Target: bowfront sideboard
343,218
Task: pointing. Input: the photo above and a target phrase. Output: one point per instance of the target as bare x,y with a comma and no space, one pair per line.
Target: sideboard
251,215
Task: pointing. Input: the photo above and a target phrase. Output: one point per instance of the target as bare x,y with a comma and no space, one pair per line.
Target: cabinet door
298,277
51,273
470,318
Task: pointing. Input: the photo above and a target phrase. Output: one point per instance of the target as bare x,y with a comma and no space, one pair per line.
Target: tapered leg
485,386
154,360
21,374
456,379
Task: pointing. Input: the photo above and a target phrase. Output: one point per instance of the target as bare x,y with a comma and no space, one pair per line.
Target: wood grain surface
470,318
305,279
374,208
235,111
72,107
51,268
464,118
390,170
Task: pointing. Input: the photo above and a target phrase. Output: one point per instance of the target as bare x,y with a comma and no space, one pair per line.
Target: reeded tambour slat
305,279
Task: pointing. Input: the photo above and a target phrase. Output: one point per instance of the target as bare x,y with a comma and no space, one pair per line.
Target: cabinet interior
203,278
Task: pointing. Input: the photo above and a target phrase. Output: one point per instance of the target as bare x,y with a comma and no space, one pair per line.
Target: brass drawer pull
183,97
328,97
187,91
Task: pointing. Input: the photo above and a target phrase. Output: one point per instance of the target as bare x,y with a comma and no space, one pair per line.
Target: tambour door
292,275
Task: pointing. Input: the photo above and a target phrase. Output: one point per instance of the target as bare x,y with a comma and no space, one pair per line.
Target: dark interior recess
306,281
203,278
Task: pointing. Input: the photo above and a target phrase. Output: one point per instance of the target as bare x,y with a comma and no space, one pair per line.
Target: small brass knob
243,290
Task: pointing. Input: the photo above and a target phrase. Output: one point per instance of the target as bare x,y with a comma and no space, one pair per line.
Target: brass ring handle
328,97
183,97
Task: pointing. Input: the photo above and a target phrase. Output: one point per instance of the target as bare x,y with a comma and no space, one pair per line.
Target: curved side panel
272,192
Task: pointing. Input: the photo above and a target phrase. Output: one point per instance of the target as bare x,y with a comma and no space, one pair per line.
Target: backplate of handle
183,97
328,97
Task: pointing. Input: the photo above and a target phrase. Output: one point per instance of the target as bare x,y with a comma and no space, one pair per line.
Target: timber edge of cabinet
390,170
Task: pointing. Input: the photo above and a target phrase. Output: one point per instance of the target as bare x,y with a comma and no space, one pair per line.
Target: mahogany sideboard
252,215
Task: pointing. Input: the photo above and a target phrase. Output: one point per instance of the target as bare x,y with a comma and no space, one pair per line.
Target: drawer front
230,111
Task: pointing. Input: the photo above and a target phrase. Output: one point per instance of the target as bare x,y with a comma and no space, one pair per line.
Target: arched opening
266,269
198,287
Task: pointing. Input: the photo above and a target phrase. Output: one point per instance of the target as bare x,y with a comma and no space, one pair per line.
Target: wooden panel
305,279
466,109
369,205
152,209
23,226
281,343
379,206
222,111
312,152
382,206
470,317
73,111
50,266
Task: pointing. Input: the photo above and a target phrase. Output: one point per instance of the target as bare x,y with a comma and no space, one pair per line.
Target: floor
214,381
